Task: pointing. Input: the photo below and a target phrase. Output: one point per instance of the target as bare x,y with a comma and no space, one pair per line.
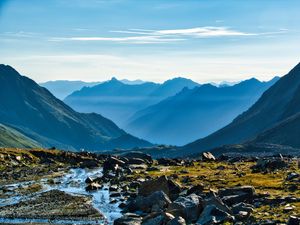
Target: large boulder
157,219
215,211
214,215
93,187
177,221
188,207
155,202
207,157
270,165
293,220
236,195
171,188
129,219
112,164
139,155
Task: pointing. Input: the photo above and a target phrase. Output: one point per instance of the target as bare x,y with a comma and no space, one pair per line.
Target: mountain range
35,113
196,112
118,101
274,118
62,88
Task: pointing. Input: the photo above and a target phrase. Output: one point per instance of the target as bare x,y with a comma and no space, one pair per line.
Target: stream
72,182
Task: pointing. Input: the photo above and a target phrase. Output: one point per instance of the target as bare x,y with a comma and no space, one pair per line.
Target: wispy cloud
133,39
143,36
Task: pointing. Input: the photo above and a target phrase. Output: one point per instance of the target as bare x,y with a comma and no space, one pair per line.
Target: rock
93,187
189,207
236,195
214,215
112,164
177,221
135,161
269,165
292,176
242,210
208,157
129,219
168,162
293,220
139,155
197,189
155,202
159,219
213,199
53,204
153,168
162,183
88,180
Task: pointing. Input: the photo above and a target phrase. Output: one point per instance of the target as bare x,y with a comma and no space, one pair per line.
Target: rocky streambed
62,200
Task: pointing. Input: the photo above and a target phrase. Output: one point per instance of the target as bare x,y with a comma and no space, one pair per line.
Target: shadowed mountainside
36,113
273,118
197,112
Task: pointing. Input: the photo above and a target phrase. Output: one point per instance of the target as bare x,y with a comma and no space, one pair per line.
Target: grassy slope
12,138
213,177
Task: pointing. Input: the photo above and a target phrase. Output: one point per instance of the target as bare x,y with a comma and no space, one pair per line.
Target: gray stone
189,207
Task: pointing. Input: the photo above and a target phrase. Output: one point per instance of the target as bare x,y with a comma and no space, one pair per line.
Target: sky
155,40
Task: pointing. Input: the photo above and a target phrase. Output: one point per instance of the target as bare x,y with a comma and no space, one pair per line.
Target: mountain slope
277,104
195,113
12,138
119,101
35,112
62,88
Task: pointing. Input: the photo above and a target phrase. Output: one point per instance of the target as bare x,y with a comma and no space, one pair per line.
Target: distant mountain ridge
62,88
274,118
35,112
196,112
119,101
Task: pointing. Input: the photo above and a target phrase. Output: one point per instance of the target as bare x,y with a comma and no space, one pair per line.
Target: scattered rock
162,183
214,215
155,202
159,219
293,220
236,195
93,187
270,165
188,207
177,221
53,204
208,157
139,155
129,219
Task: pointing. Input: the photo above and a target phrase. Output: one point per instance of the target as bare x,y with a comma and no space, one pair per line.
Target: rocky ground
209,190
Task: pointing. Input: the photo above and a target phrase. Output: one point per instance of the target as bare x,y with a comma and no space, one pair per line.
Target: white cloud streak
143,36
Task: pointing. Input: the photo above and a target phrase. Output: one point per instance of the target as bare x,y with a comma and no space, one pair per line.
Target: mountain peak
6,69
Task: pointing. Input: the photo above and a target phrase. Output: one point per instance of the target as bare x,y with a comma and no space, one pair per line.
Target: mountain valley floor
207,190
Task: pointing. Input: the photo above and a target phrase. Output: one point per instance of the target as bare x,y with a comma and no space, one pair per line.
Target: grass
218,175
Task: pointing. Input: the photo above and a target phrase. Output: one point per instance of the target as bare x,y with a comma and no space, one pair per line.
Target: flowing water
73,183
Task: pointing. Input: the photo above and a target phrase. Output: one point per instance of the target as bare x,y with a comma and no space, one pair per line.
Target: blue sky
205,40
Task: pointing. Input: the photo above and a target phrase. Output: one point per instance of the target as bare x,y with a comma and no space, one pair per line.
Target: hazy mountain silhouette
274,118
35,112
197,112
119,101
62,88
